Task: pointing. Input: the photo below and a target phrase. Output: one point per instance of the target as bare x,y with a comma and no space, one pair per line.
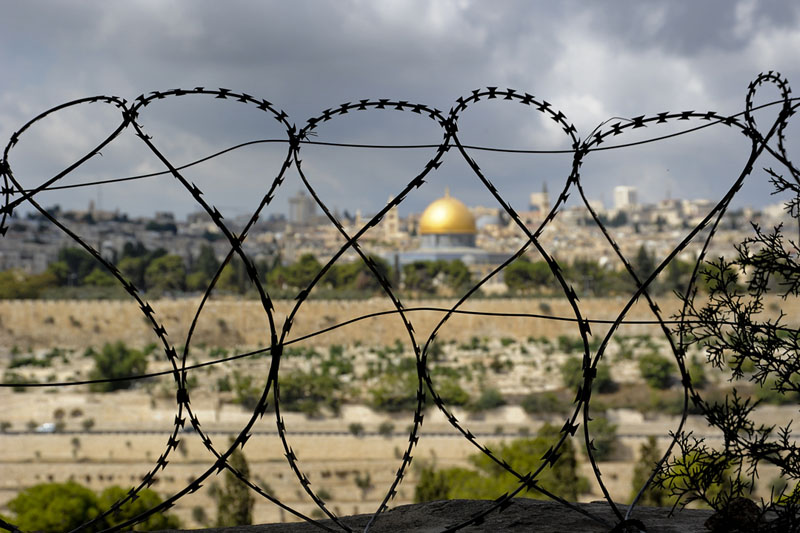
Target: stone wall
231,323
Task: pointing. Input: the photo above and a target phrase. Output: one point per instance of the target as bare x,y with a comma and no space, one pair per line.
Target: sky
591,60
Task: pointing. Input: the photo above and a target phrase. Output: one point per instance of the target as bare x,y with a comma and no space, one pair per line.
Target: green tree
525,276
395,392
357,276
234,499
166,273
592,279
604,438
309,391
451,391
702,475
203,269
206,262
54,507
99,277
132,269
116,361
297,275
418,276
456,275
572,374
246,393
76,263
620,219
147,500
57,507
15,284
654,495
489,398
678,273
233,277
544,404
656,370
488,480
134,249
644,263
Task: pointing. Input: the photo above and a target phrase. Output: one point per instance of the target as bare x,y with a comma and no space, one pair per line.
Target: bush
356,429
235,500
224,384
604,438
488,480
15,378
65,506
307,392
199,515
386,429
395,392
653,496
116,361
544,404
489,399
245,392
572,374
656,370
451,392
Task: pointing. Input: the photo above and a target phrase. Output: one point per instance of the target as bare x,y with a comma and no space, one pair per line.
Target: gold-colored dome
446,215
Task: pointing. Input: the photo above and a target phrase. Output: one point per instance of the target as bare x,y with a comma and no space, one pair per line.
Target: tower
540,201
302,209
625,197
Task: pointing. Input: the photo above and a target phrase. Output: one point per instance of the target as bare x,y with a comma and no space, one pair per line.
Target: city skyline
645,59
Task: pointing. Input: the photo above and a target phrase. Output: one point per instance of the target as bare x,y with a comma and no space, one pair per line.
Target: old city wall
230,323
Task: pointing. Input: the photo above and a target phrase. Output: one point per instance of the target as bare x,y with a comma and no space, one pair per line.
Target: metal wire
279,331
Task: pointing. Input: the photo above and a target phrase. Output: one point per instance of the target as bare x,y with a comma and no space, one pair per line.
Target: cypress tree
234,499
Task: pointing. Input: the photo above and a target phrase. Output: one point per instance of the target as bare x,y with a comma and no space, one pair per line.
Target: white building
625,197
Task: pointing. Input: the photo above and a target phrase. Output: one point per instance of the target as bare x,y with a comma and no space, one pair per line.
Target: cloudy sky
591,60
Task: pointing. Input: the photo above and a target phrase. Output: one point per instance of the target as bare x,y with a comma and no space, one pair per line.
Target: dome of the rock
447,216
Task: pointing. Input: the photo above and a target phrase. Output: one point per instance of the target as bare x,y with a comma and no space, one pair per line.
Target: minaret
540,201
391,223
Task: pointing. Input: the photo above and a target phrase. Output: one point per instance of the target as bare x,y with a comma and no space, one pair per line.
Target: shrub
656,370
487,479
451,392
489,398
572,373
654,495
224,384
544,404
604,438
16,379
395,392
65,506
386,428
116,361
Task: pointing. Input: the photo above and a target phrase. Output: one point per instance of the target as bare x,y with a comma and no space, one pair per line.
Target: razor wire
762,141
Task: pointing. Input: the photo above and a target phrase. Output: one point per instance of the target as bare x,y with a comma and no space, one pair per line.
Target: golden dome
446,215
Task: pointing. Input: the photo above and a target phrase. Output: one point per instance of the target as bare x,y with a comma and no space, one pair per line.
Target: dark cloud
591,60
688,27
